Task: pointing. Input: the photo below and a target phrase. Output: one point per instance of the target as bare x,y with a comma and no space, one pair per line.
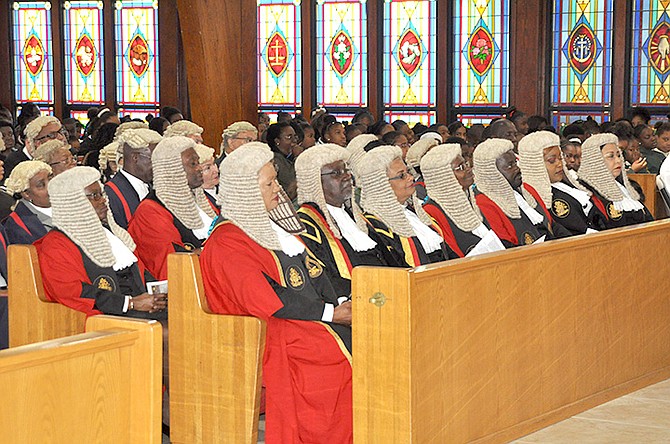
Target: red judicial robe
306,367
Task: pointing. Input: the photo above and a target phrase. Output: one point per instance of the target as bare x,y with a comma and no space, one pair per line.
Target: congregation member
402,127
646,139
131,184
234,136
185,128
326,210
448,179
602,173
210,174
87,261
57,155
282,139
254,265
391,208
398,139
32,216
38,131
572,154
8,138
499,195
333,131
176,215
502,129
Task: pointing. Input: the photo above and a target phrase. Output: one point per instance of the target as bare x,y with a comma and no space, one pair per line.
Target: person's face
508,167
461,132
508,131
336,135
240,139
62,160
37,191
637,120
522,125
443,131
191,163
467,151
263,122
613,160
663,141
401,180
463,172
647,139
196,137
143,168
408,133
553,163
52,131
8,137
267,182
286,139
210,174
386,129
308,140
630,149
336,183
402,142
573,156
98,200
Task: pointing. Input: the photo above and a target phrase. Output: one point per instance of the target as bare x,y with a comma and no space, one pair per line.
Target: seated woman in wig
388,198
254,264
602,173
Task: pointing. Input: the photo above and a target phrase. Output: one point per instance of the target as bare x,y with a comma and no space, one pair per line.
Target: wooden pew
491,348
654,201
100,386
33,318
215,364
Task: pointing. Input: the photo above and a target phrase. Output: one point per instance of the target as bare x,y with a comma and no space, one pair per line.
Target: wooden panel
101,386
220,55
173,91
505,344
31,317
654,201
215,364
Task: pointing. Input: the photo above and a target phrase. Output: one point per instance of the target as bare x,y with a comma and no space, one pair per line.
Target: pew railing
100,386
215,363
491,348
32,317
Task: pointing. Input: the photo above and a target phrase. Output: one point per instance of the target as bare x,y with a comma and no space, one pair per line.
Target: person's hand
150,302
639,164
342,314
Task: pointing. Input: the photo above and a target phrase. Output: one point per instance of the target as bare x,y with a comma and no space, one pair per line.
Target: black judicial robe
459,241
511,232
614,217
337,255
23,226
550,227
123,199
4,314
568,211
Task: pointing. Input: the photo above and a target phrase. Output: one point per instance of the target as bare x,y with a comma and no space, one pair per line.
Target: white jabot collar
203,233
359,240
122,254
140,187
627,203
290,244
480,231
430,240
580,196
535,217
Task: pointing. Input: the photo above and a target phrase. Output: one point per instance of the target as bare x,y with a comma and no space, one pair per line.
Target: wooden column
529,56
173,85
620,60
375,59
220,55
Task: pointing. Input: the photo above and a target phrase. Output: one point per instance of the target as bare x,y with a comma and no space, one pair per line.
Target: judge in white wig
185,128
602,173
252,265
326,210
392,209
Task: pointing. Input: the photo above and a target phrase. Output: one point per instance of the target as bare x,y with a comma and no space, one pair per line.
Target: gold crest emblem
189,247
314,268
613,212
528,238
561,208
104,283
295,278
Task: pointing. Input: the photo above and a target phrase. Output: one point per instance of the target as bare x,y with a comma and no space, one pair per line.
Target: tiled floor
640,417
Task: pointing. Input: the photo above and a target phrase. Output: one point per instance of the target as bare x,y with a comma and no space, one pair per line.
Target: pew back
494,347
100,386
33,318
654,200
215,363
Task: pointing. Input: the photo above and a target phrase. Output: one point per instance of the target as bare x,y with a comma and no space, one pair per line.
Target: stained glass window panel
409,53
279,63
32,52
481,53
136,113
84,52
411,118
341,53
136,33
559,119
470,119
582,53
82,116
650,65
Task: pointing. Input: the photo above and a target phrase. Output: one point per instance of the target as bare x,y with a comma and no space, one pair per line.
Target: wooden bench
654,200
491,348
100,386
32,317
215,364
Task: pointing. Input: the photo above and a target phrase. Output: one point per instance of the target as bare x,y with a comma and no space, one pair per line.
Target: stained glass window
136,34
561,118
341,53
427,118
481,53
582,53
83,52
279,64
32,52
136,113
409,54
470,119
651,53
80,115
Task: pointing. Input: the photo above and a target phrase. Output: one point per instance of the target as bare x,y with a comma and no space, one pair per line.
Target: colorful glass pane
84,52
279,63
80,115
32,52
559,119
409,53
341,53
582,53
45,110
138,113
411,118
481,53
650,65
470,119
136,34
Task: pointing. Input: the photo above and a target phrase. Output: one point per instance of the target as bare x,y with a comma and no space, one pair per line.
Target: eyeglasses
96,196
402,176
66,161
460,167
53,135
337,173
290,137
246,139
